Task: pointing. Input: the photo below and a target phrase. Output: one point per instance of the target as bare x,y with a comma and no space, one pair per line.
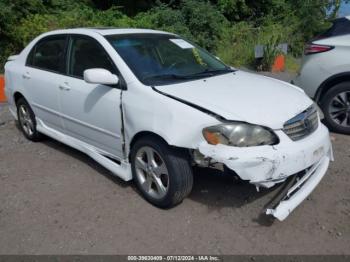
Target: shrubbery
164,18
229,28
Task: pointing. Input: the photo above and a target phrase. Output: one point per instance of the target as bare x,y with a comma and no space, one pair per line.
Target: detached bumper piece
297,189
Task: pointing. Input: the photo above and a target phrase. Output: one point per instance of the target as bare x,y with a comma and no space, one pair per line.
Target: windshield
159,59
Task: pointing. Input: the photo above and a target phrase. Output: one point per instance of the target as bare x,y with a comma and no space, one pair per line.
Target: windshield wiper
165,77
204,73
208,72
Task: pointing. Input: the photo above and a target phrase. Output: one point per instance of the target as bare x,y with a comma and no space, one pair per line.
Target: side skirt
122,170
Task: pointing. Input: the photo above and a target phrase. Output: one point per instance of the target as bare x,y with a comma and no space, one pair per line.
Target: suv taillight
315,49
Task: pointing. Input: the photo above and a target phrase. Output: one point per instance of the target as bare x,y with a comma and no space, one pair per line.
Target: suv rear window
341,26
48,54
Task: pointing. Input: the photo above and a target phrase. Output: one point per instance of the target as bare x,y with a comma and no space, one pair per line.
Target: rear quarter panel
13,83
338,60
317,68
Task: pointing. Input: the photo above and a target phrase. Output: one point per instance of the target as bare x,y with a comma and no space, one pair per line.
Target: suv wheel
336,108
162,173
27,122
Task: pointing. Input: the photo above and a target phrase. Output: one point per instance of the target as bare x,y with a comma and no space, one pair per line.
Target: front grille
302,125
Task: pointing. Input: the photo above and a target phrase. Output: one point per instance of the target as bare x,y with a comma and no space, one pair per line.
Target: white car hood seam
202,109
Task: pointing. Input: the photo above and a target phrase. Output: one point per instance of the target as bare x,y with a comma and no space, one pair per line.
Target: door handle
26,75
64,87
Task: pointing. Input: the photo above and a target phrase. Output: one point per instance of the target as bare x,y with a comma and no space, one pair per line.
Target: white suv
148,105
325,74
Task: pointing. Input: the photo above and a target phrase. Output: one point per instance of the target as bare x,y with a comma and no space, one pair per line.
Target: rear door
91,112
43,73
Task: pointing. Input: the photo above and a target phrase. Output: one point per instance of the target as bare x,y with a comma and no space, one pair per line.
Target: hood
243,96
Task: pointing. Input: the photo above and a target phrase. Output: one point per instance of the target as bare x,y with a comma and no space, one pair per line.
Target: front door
91,112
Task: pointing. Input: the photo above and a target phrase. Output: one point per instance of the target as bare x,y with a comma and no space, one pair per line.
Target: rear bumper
300,190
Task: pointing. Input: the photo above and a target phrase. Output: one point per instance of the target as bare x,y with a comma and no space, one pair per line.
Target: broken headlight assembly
239,134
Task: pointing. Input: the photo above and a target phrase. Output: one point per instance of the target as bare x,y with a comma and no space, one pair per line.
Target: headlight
239,134
319,111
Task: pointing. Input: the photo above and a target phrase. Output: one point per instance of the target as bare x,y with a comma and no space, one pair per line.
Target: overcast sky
344,10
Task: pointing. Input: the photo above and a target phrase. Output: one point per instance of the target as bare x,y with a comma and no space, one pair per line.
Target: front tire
336,108
27,122
162,174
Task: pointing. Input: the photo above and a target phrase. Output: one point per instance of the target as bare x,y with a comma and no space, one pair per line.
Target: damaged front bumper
265,166
299,190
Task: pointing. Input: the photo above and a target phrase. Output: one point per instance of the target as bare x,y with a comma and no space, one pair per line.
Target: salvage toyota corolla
148,105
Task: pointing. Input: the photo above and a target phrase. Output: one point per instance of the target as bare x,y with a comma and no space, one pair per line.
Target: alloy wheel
25,120
151,172
339,109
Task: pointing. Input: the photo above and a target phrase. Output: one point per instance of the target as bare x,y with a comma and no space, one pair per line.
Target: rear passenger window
86,53
49,54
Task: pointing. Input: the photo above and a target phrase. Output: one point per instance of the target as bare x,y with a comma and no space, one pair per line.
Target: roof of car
110,30
341,18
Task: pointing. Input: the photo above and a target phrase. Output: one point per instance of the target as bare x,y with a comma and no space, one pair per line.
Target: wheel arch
17,95
329,83
142,134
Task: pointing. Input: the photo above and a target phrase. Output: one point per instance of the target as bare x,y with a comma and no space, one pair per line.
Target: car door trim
77,121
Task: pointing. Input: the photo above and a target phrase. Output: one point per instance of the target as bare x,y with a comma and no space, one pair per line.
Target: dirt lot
55,200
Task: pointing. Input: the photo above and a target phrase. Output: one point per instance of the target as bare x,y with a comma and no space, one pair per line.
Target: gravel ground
56,200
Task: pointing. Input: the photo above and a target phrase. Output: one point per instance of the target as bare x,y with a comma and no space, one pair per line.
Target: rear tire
336,108
26,120
162,174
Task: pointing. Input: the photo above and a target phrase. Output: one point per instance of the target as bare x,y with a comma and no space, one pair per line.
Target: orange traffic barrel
279,64
2,89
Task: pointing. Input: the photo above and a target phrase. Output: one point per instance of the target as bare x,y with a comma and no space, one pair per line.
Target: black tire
180,177
34,135
327,101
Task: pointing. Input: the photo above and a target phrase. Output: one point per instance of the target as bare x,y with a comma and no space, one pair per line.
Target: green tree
230,27
163,17
204,21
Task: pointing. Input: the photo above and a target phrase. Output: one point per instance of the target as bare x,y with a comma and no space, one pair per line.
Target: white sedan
148,105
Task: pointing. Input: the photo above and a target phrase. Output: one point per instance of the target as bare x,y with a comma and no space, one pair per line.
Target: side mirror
100,76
